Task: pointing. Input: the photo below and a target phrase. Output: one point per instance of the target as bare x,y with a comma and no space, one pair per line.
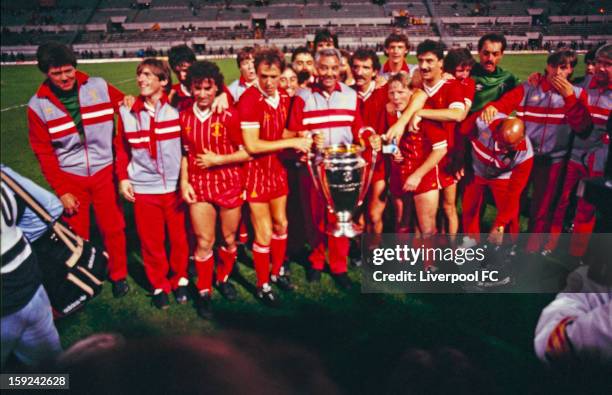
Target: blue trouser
30,332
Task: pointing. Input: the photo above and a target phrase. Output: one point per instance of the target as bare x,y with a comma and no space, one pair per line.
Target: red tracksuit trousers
99,191
584,220
545,177
338,246
154,214
473,198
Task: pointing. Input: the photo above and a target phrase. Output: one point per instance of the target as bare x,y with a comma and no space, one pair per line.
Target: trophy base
343,229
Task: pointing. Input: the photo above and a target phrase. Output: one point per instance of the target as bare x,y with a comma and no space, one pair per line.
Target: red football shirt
265,174
218,133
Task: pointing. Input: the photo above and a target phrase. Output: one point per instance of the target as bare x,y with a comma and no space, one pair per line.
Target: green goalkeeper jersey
490,87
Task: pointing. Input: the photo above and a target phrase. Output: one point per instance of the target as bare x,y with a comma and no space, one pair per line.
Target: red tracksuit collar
594,85
244,83
387,67
139,105
546,86
45,90
318,88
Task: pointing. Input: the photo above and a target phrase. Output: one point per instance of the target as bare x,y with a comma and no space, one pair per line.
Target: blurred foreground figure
27,325
192,365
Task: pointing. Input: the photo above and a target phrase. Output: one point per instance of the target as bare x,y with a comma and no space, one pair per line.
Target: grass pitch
357,336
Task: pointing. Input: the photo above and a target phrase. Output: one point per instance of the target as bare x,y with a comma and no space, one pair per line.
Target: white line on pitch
13,107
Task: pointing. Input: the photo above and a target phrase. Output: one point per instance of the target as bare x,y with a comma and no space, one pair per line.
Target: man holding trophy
329,110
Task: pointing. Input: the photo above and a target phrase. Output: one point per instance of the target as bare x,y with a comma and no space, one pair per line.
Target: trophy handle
365,188
312,165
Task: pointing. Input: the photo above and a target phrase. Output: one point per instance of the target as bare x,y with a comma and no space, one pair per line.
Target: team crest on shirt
48,110
217,129
479,87
93,94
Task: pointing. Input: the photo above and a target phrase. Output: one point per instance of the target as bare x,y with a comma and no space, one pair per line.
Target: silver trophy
341,174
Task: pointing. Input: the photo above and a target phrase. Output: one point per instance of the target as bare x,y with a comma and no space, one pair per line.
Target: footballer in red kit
445,104
263,113
181,57
212,180
419,154
365,67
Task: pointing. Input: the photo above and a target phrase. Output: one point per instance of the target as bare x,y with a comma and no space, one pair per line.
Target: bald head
510,132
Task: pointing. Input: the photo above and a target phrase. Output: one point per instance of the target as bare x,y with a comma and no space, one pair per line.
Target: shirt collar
430,91
368,92
184,90
271,100
201,115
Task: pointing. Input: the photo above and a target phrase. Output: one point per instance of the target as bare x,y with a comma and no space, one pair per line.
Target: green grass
357,336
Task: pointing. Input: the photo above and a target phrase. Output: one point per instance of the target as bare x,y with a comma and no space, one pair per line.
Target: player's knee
450,208
280,227
230,240
204,244
428,226
375,216
263,236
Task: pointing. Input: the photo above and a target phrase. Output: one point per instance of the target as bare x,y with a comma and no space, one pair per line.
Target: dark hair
299,51
397,38
180,54
457,57
270,56
365,54
435,47
322,35
158,67
244,54
204,70
54,54
494,38
303,76
562,56
589,57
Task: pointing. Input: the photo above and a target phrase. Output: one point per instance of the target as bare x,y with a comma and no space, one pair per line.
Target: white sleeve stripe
457,104
60,128
440,145
249,125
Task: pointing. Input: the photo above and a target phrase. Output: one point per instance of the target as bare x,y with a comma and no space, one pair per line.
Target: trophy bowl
340,173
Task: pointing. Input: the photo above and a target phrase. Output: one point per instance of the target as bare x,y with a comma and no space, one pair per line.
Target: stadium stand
103,25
